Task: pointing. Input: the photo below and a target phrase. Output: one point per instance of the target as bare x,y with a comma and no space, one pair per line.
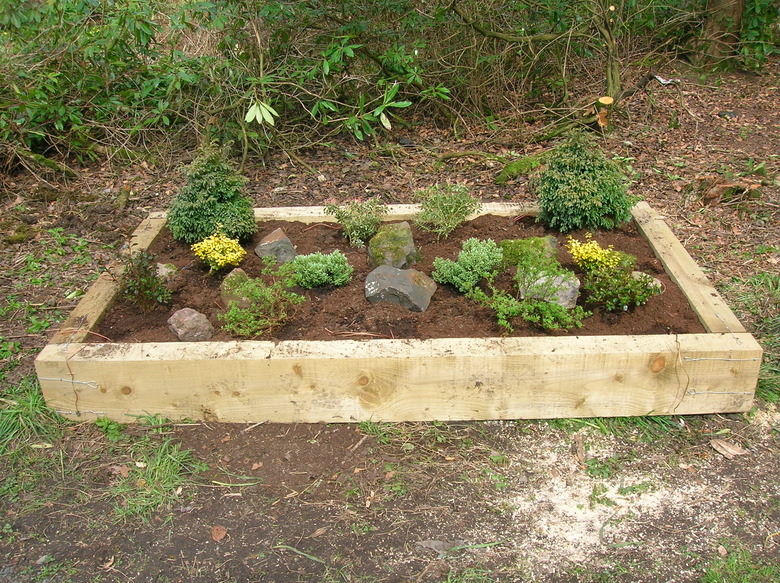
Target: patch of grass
25,417
469,575
159,472
739,566
645,429
384,433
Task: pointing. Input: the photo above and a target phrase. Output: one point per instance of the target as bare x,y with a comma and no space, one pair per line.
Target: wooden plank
714,314
99,298
404,380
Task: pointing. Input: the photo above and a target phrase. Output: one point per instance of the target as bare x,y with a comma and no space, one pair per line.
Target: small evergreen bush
212,196
477,260
139,282
444,207
219,251
319,269
360,218
582,189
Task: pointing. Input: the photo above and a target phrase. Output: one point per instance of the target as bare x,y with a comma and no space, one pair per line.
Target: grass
154,478
24,416
739,566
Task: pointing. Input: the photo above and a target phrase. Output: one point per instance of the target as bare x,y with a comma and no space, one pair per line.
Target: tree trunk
721,30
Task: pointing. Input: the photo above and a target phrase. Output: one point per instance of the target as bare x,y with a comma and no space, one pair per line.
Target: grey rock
409,288
393,245
228,286
562,289
190,325
277,245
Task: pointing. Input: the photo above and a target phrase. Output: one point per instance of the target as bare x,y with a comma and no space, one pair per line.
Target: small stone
277,245
166,271
409,288
393,245
190,325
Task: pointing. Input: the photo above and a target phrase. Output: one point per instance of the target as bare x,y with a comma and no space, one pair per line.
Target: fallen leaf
140,464
123,470
318,532
225,439
727,449
218,532
257,465
722,551
108,564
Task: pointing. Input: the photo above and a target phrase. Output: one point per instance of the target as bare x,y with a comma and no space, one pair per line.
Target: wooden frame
408,380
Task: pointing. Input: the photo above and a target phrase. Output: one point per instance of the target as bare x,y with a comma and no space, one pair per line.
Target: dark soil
344,312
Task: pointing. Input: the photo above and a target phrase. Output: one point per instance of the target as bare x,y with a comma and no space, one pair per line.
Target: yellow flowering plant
219,251
590,256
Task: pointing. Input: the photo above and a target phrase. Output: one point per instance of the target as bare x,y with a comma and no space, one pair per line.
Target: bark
721,30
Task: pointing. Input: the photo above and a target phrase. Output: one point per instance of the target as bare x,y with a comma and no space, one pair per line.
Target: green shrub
477,260
582,189
219,251
318,269
269,304
360,219
212,197
444,207
139,282
616,288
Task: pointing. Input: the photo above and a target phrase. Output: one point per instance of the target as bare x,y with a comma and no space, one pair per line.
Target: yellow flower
590,255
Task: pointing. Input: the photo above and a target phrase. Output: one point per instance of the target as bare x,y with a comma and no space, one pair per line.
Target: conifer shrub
212,197
582,189
320,269
477,260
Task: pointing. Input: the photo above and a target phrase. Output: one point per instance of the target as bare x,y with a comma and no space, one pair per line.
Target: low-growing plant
318,269
609,277
24,415
580,188
544,314
444,207
140,283
477,260
268,304
219,251
360,218
213,195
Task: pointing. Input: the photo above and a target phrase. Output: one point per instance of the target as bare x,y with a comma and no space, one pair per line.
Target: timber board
408,380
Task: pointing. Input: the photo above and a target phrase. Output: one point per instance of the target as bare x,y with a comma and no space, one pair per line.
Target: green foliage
477,260
739,566
211,199
139,282
268,303
319,269
444,207
580,188
111,429
758,35
360,218
619,289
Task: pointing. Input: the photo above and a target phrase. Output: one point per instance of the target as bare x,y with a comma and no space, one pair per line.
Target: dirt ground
550,501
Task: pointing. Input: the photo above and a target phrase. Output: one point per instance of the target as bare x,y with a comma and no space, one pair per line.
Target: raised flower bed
408,380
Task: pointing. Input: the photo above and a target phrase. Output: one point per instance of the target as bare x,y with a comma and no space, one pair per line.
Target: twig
328,225
371,334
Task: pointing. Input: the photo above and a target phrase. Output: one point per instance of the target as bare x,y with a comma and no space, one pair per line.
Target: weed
604,469
498,480
444,207
384,433
111,429
640,488
469,575
395,484
599,496
360,218
156,478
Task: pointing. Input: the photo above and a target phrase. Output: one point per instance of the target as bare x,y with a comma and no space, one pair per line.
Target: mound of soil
344,313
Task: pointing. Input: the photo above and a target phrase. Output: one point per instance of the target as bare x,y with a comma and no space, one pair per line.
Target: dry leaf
225,439
727,449
108,564
602,120
218,532
722,551
123,470
318,532
257,465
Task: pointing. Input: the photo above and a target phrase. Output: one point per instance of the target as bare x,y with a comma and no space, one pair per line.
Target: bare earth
519,501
